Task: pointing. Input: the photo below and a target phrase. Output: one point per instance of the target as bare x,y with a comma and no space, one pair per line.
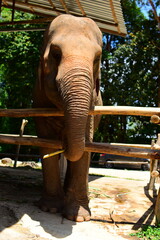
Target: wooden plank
125,110
21,155
64,6
127,162
98,110
36,21
81,8
122,150
29,141
31,112
145,146
89,147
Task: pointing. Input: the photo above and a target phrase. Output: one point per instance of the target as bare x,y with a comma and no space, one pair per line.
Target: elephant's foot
77,210
52,204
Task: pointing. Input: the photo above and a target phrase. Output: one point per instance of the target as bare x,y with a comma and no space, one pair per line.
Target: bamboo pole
98,110
89,147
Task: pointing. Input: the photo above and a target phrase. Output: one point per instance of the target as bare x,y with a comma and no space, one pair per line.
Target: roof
106,13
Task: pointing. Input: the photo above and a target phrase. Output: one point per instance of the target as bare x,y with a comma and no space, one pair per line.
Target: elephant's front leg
76,189
53,197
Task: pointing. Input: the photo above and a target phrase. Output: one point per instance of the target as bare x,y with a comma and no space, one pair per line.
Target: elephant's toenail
88,218
79,219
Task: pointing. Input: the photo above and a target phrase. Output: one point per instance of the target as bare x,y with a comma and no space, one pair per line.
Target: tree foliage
130,77
19,56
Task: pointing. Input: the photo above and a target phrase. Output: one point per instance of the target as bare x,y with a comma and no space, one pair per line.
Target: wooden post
157,209
153,168
157,206
24,122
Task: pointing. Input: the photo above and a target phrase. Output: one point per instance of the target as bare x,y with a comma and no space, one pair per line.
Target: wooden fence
134,150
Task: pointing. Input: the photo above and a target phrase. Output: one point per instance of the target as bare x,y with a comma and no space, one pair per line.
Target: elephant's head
71,63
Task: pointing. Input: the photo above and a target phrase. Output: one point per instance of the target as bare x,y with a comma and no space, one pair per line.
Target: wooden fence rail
89,147
98,110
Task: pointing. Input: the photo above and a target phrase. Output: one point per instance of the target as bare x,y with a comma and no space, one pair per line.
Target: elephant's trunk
76,95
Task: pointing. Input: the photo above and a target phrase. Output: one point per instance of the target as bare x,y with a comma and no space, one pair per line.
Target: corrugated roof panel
106,13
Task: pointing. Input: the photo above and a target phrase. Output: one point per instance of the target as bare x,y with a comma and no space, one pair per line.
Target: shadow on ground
118,206
19,189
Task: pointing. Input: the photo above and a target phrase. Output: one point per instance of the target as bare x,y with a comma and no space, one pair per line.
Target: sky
145,9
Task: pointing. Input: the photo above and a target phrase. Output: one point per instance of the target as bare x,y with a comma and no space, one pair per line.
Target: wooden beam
13,10
32,112
21,155
29,141
114,15
18,29
81,8
53,6
33,21
98,110
125,110
89,147
145,146
64,6
122,150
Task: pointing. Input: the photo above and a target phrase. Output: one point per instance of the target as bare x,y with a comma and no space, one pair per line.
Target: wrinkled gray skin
68,81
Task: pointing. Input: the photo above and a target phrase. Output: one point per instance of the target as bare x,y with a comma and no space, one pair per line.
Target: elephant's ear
97,72
97,83
50,61
40,72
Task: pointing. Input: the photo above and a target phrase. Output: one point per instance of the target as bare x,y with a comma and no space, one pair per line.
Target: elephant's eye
56,53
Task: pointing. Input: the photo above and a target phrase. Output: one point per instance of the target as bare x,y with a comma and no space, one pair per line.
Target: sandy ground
119,204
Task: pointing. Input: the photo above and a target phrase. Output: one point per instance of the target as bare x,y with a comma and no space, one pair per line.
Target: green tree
130,76
19,57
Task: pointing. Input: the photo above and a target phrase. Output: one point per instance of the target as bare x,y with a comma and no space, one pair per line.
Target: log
127,162
98,110
157,209
31,112
29,141
155,119
24,122
125,110
145,146
122,150
89,147
21,155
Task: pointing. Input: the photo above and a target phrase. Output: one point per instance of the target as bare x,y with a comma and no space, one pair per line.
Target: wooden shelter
106,13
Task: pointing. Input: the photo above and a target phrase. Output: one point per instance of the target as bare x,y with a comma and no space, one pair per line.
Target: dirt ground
119,206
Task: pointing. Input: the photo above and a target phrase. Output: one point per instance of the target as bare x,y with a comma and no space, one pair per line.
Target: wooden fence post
24,122
157,209
153,168
157,206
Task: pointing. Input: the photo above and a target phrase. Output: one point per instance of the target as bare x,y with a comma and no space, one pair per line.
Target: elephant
68,80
